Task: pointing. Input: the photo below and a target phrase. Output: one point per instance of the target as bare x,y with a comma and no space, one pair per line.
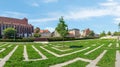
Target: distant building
85,32
71,33
74,33
55,34
45,33
21,25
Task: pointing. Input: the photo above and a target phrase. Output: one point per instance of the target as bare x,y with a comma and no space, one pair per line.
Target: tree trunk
63,42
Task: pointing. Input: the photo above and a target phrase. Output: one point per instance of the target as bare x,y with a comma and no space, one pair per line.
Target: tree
37,35
37,32
109,33
62,28
102,34
116,33
9,32
91,34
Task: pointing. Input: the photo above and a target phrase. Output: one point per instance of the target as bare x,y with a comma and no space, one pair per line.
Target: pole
14,34
118,31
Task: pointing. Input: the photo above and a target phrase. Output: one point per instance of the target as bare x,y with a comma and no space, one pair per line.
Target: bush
68,39
17,40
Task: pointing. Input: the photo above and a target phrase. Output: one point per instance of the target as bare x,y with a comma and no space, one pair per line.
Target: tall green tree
9,32
62,28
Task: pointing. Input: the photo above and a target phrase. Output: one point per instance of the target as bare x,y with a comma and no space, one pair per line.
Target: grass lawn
53,57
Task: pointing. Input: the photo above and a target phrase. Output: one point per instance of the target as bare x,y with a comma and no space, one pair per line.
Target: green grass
32,54
108,60
5,52
77,64
16,60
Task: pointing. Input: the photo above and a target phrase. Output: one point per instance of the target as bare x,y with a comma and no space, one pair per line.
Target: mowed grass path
18,59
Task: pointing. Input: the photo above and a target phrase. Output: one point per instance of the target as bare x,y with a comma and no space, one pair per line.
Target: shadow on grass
76,46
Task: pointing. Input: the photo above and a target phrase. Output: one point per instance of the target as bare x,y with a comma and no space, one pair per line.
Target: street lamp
14,33
118,31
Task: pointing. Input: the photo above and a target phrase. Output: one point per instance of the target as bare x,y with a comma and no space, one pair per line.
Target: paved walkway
117,44
110,45
43,56
93,50
9,46
3,45
2,50
25,53
6,58
71,61
94,62
57,55
117,63
60,49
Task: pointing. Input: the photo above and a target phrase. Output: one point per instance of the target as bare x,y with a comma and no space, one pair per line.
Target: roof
74,29
44,31
14,20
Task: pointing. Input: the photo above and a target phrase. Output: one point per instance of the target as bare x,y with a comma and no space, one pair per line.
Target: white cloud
51,29
87,13
43,20
117,20
13,14
49,1
35,4
108,8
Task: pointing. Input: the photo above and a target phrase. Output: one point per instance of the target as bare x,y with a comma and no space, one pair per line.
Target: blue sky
97,15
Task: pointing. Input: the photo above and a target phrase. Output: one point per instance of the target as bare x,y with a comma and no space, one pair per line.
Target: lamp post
14,34
118,31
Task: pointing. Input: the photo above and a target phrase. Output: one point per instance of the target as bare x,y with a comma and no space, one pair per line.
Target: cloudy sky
97,15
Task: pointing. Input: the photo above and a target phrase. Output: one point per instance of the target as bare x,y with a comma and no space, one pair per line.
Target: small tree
91,34
9,32
62,28
37,32
109,33
102,34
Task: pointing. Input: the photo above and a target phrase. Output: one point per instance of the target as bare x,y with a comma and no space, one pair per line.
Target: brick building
21,25
85,32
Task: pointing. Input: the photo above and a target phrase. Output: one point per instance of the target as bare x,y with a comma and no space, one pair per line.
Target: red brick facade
21,25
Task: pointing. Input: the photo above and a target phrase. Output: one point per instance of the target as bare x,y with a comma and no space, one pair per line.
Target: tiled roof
13,20
44,31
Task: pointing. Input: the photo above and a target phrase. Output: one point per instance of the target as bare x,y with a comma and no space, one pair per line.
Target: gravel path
6,58
71,61
94,62
93,50
57,55
117,63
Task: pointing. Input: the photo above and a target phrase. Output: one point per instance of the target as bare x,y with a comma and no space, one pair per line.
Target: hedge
68,39
16,40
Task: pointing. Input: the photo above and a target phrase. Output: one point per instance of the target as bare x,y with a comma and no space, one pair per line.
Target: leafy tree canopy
9,32
62,28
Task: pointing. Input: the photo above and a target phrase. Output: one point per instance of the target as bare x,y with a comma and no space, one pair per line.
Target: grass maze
86,53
